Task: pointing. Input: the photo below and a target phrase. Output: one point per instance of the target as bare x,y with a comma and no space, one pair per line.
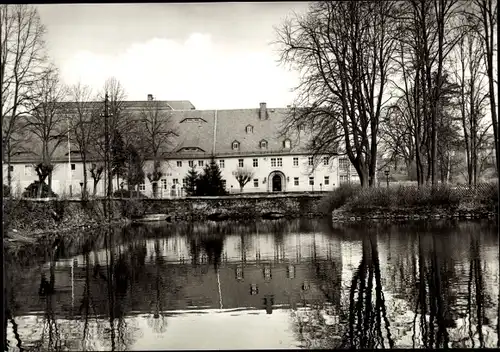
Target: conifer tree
191,181
210,182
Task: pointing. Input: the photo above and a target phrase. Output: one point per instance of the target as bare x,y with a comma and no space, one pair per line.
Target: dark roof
198,132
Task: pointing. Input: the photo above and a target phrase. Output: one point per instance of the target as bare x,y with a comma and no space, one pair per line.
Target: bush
133,208
339,197
6,191
125,193
32,191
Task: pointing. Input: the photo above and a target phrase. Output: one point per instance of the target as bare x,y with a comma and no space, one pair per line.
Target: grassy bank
359,201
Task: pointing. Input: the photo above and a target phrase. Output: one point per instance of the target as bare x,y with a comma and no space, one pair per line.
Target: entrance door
276,183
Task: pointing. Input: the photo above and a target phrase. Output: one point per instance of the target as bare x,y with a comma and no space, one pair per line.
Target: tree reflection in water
157,321
367,314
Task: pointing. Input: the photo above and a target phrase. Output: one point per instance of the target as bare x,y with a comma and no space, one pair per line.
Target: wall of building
324,176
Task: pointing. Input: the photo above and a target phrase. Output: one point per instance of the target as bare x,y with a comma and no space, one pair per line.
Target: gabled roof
200,133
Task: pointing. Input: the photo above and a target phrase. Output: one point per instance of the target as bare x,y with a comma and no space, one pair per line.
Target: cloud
209,75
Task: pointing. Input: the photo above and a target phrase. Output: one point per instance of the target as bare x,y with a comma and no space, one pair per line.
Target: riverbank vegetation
355,198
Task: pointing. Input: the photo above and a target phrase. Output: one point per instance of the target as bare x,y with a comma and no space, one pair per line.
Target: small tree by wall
191,181
154,176
210,182
243,176
96,171
135,172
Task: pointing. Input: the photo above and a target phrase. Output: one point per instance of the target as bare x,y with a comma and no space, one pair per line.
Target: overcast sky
217,55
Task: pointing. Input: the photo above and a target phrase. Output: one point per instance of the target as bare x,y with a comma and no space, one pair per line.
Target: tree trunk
84,188
95,187
50,183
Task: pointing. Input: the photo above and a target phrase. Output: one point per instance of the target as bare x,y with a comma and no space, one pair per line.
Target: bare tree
485,12
472,99
343,51
21,58
157,130
117,123
96,170
243,176
84,119
46,122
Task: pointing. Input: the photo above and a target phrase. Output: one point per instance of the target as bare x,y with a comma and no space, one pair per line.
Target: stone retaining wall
236,207
421,213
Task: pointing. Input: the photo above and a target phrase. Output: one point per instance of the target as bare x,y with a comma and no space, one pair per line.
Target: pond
271,284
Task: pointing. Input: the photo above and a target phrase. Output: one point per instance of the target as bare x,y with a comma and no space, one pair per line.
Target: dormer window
236,145
263,144
287,144
249,129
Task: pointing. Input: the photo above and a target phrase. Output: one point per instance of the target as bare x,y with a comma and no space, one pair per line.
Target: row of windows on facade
175,182
296,182
275,162
287,144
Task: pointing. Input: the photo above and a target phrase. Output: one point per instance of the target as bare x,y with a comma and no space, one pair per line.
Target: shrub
338,197
125,193
6,191
32,191
133,208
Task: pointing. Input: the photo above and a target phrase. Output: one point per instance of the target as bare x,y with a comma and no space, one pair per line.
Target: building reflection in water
361,288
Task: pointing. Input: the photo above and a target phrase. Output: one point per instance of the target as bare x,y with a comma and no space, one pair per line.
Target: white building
248,138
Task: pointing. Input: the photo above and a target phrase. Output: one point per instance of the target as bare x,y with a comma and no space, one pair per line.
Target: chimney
263,111
150,97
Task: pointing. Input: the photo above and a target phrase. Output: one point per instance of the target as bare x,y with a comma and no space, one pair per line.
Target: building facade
250,139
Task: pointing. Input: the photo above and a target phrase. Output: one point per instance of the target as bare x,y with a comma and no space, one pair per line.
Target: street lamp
387,176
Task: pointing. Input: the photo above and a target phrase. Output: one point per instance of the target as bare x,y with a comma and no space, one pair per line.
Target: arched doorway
276,182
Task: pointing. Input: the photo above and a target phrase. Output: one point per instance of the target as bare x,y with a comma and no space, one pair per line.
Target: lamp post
387,176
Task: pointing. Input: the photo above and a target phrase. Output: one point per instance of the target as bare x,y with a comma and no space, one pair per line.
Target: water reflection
426,286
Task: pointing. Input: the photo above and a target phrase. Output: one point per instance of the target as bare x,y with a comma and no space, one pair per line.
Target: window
325,160
311,181
179,163
163,182
310,160
273,162
287,144
263,144
191,163
254,289
175,181
184,182
240,162
256,182
249,129
327,180
343,164
200,162
267,272
27,170
255,162
221,163
280,162
73,167
344,179
295,161
224,184
239,273
295,181
236,145
142,187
